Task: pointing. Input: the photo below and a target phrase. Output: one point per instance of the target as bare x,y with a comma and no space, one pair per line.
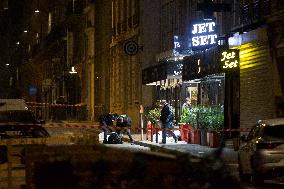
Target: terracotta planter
151,130
189,136
208,138
214,139
186,132
203,137
195,136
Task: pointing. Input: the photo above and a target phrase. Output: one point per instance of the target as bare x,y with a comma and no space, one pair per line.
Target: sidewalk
194,149
198,150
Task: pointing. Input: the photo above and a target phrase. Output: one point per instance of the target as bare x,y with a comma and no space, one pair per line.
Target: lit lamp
37,9
5,5
73,71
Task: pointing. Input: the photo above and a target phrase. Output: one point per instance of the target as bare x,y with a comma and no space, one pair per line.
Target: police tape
113,127
92,126
79,126
18,123
43,104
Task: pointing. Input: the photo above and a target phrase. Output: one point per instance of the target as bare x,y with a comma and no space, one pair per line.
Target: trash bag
114,138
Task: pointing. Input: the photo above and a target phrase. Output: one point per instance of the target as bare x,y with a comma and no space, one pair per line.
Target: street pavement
228,153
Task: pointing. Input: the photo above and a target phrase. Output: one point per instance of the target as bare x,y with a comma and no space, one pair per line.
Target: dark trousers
106,130
127,130
166,130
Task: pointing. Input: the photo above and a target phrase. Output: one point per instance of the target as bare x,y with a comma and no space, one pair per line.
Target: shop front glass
203,102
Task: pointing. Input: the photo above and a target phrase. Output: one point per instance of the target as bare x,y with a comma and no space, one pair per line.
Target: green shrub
210,118
154,113
185,115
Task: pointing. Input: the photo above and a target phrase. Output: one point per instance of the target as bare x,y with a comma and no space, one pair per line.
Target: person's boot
175,139
105,141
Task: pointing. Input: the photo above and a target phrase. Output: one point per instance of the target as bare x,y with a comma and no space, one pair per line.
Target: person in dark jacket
123,124
106,120
166,121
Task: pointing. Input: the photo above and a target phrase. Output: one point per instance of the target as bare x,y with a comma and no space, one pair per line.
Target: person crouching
123,124
106,122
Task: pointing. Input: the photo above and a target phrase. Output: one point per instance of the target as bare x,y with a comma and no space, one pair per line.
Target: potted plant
204,121
190,116
185,115
216,123
153,116
186,127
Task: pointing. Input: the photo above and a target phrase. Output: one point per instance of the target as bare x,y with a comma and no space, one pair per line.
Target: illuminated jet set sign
203,35
230,59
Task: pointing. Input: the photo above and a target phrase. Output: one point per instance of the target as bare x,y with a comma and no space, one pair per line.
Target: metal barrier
190,134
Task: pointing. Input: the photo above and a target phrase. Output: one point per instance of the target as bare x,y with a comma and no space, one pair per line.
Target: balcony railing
254,11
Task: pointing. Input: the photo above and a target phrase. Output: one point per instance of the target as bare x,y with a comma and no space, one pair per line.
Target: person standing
166,119
187,103
186,110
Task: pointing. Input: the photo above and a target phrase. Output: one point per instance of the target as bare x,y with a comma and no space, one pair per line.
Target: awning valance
202,64
163,71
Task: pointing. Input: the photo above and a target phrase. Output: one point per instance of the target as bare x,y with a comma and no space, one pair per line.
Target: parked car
262,154
13,104
19,124
9,131
22,116
22,124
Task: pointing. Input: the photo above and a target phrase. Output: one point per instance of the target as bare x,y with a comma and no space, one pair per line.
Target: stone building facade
91,36
259,38
54,47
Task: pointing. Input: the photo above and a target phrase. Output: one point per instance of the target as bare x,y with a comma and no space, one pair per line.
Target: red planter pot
186,132
195,136
214,139
151,130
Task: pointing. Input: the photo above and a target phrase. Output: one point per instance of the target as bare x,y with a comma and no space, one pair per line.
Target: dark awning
163,71
202,64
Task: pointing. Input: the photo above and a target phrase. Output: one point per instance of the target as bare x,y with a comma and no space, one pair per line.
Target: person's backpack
114,138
